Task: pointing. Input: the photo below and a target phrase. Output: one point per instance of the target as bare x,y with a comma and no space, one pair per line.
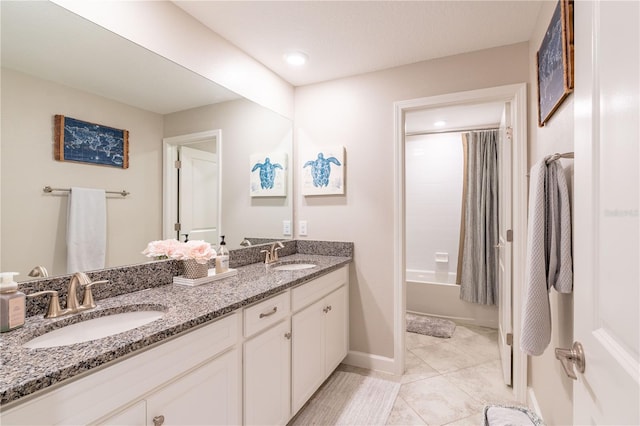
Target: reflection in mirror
192,187
54,62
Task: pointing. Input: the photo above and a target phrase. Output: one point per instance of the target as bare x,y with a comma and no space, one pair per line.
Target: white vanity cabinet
267,362
319,333
207,395
196,374
258,365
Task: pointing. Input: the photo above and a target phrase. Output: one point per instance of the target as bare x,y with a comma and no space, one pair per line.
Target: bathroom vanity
247,349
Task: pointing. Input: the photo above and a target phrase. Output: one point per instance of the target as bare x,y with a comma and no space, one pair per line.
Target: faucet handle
87,300
53,310
274,250
267,256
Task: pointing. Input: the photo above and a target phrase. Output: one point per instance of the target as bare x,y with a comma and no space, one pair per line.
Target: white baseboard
370,361
532,402
462,320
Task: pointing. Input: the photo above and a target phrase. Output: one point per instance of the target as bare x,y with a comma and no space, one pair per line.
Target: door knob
158,420
571,359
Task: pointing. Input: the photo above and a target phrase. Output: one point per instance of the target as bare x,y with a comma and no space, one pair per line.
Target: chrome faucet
79,278
271,255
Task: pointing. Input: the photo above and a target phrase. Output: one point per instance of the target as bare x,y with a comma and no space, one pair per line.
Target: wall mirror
55,62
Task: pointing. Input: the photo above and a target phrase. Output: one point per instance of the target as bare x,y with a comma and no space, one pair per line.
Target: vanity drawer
314,290
268,312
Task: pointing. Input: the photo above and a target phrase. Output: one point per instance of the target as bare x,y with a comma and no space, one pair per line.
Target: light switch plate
286,227
303,228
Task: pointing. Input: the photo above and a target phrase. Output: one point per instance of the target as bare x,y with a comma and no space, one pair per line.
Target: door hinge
509,235
176,227
510,339
178,164
509,131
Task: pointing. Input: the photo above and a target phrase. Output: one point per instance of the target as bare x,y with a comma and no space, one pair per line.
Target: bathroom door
198,195
504,247
606,219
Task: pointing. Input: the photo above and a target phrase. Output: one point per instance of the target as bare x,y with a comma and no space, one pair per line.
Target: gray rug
430,326
350,399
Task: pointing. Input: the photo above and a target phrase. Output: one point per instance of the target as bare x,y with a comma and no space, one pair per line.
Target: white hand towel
536,318
86,230
549,260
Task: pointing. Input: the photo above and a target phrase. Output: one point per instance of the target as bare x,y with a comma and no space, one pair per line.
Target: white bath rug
430,326
350,399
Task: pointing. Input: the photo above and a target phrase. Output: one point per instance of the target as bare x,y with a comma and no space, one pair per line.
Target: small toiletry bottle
12,303
222,257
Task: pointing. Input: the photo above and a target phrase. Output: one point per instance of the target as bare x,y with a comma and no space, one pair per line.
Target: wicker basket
194,270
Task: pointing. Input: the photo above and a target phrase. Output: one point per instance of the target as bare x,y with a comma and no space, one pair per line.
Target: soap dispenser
12,303
222,257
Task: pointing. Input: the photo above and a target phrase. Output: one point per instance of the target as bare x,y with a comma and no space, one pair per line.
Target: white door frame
170,183
517,95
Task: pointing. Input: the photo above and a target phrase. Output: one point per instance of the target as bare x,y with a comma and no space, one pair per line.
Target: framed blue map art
85,142
555,62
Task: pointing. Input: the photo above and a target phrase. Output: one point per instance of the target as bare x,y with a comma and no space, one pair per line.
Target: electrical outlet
286,227
303,228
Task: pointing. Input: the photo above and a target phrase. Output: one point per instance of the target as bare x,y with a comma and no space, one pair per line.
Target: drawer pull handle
158,420
268,314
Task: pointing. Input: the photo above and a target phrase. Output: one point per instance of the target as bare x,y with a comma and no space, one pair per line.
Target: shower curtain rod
462,130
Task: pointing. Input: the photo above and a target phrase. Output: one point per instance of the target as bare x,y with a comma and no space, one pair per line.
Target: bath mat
350,399
430,326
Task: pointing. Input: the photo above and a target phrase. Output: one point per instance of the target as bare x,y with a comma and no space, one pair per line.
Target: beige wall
247,128
552,389
357,112
33,224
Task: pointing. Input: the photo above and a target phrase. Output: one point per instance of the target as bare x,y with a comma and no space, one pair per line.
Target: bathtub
437,294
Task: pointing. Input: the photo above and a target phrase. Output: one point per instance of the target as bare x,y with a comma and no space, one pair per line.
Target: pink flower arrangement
200,251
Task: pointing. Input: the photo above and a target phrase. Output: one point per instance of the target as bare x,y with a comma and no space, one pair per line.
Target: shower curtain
477,257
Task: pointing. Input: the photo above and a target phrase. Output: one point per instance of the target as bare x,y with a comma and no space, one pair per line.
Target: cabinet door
307,353
267,376
336,331
209,395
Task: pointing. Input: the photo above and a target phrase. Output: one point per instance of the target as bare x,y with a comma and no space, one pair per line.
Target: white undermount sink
93,329
294,266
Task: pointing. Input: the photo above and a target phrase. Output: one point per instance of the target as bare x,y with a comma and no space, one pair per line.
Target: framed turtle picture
323,170
268,175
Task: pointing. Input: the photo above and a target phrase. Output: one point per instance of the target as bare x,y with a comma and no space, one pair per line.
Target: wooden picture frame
555,62
85,142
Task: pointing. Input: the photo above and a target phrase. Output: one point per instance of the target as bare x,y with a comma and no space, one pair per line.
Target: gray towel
549,261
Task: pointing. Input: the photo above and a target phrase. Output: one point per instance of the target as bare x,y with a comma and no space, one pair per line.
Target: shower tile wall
433,200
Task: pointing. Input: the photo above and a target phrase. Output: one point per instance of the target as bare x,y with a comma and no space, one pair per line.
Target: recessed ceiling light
440,123
297,59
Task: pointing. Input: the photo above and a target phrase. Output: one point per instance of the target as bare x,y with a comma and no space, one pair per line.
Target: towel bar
49,189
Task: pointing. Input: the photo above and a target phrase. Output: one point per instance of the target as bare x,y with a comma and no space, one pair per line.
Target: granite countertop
25,371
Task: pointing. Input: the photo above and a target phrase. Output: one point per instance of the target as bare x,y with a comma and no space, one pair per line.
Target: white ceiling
49,42
344,38
341,38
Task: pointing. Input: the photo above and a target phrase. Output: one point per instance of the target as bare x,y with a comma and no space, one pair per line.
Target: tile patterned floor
449,381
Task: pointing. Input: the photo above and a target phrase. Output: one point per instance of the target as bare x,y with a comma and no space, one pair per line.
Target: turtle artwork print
268,175
323,171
